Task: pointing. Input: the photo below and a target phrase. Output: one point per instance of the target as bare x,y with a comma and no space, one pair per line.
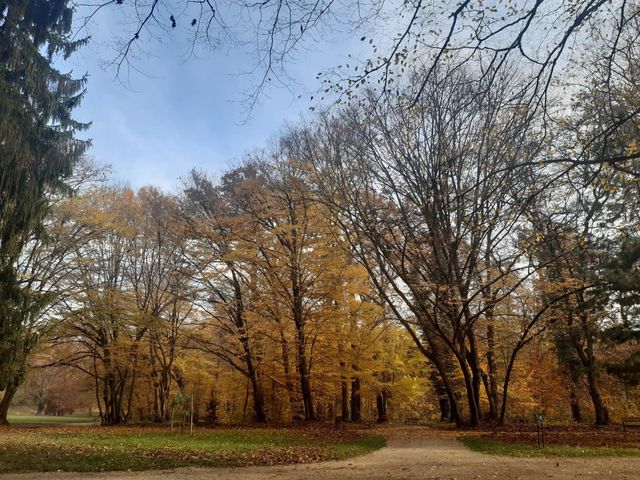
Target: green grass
107,449
494,447
339,451
47,420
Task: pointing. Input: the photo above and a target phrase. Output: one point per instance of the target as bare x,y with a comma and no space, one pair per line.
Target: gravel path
407,456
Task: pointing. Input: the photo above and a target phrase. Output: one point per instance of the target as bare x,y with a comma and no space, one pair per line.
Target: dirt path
407,456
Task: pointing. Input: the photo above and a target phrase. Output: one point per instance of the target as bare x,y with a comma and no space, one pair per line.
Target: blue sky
179,114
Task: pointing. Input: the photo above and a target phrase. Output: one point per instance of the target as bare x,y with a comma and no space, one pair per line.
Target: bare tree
431,199
542,38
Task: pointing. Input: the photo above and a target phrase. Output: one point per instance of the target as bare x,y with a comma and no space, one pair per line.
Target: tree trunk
381,405
600,409
492,385
356,400
305,384
246,402
5,403
441,392
252,371
344,398
256,390
258,402
297,311
254,381
439,364
293,401
469,383
576,414
470,357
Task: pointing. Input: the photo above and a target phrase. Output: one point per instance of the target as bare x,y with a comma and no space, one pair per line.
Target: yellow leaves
107,209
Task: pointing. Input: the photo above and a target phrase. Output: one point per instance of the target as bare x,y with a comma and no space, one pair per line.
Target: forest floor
411,453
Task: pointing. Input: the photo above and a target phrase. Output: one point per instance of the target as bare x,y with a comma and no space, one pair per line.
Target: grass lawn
48,420
86,449
495,447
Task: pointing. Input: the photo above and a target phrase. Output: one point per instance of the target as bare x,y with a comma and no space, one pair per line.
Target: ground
90,448
416,457
411,453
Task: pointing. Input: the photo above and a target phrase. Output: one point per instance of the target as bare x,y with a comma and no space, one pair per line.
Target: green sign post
182,411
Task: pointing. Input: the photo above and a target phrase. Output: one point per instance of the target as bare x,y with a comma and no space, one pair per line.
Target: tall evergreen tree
38,150
624,277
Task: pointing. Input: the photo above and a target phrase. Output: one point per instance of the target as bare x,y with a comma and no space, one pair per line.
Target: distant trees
388,261
385,263
57,391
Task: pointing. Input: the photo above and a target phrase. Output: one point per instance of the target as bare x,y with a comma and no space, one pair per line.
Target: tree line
460,243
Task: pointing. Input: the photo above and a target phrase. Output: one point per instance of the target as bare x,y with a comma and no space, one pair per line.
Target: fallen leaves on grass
575,436
140,448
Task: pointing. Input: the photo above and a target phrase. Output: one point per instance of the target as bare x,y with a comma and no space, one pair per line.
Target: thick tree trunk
256,390
5,403
476,379
113,388
470,387
441,392
356,400
470,363
163,397
445,408
491,385
344,398
297,312
440,365
474,411
600,409
252,371
305,384
258,402
246,402
576,413
589,362
297,413
381,406
303,371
